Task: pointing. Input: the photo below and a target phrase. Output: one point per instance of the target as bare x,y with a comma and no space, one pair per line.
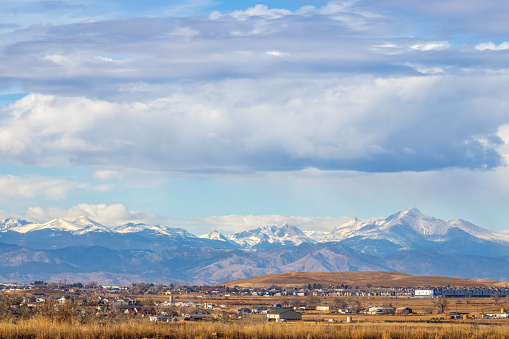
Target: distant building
323,308
380,310
283,314
404,310
425,293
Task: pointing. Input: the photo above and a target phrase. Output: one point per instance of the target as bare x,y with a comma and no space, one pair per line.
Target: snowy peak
154,229
267,236
214,235
88,225
9,223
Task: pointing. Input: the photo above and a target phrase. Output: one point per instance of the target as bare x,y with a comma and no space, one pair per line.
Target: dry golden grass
360,278
43,328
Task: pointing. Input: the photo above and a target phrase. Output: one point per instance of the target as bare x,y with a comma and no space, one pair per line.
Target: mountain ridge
406,241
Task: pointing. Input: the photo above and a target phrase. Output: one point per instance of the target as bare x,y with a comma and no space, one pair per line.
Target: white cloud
108,175
431,46
238,223
491,46
107,215
245,125
276,53
36,186
118,214
256,11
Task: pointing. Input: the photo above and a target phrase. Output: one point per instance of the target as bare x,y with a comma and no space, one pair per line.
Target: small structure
161,317
243,310
380,310
323,308
193,317
283,314
430,293
404,310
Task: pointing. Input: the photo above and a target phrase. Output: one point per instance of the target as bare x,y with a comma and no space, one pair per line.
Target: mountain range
407,241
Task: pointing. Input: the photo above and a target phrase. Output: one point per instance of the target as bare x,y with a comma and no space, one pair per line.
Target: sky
232,115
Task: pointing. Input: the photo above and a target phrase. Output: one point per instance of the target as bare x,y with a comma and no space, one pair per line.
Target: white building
425,293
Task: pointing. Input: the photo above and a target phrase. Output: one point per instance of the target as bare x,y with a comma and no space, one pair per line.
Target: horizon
214,112
327,225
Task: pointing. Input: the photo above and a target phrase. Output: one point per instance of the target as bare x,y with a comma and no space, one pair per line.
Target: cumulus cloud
119,214
107,215
36,186
491,46
355,123
238,223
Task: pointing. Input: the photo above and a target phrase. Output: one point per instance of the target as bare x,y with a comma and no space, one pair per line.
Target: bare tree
441,304
428,310
355,305
313,301
496,297
338,304
468,297
296,302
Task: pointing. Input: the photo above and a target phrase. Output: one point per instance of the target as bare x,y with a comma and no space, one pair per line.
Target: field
247,328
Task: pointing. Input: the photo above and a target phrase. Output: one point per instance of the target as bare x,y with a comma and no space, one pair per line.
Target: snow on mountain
89,225
56,224
157,229
8,224
269,236
408,226
407,229
214,235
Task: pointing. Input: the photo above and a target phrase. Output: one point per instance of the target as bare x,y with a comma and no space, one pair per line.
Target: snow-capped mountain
407,229
78,226
8,224
406,241
214,235
154,229
270,237
410,219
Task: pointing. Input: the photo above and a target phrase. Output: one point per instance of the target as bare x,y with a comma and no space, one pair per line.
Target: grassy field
142,328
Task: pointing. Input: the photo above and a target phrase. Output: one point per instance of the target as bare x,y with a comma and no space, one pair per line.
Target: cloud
108,175
119,214
243,125
107,215
36,186
238,223
491,46
431,46
97,59
461,17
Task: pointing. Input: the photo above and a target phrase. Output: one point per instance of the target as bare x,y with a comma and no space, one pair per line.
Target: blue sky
229,115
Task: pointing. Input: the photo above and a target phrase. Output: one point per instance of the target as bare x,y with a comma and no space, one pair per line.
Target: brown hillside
362,279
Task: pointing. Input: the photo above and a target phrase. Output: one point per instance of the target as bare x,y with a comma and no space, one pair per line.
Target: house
243,310
429,293
283,314
323,308
161,317
380,310
197,316
404,310
259,309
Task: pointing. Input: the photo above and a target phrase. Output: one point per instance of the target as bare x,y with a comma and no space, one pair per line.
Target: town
311,302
